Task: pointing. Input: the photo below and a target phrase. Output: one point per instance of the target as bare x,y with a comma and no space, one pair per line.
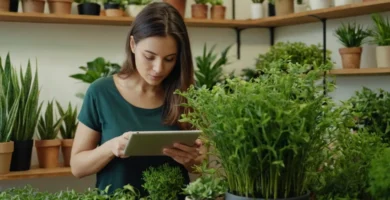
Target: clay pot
6,149
4,5
351,57
33,6
114,12
66,149
180,5
60,6
284,7
199,11
218,12
48,152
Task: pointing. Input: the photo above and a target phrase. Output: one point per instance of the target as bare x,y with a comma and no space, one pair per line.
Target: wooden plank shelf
36,172
361,71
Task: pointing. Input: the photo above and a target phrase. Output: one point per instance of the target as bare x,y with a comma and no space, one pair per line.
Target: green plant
216,2
86,1
257,1
138,2
379,176
201,1
352,35
48,126
68,128
300,2
210,69
268,133
381,30
206,188
163,182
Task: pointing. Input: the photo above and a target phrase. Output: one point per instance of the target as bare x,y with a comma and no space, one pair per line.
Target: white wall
61,49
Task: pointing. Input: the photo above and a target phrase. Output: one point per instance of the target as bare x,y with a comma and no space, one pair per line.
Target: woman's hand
118,145
188,156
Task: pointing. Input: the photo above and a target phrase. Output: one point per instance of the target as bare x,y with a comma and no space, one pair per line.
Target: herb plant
268,133
201,1
381,30
352,35
49,126
139,2
163,182
216,2
69,125
206,187
379,176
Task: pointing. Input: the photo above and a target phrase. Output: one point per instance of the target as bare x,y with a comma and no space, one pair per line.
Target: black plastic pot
229,196
21,157
271,9
112,6
14,5
89,9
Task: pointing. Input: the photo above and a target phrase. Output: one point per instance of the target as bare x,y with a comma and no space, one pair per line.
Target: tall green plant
69,125
381,30
268,133
49,126
352,35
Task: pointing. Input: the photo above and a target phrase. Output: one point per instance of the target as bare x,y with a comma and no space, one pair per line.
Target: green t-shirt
106,111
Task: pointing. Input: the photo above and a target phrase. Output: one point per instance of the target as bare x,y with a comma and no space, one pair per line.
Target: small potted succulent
113,8
257,9
199,10
218,10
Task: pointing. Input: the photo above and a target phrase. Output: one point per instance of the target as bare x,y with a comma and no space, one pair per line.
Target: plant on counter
352,37
218,10
268,133
88,7
381,37
199,10
114,8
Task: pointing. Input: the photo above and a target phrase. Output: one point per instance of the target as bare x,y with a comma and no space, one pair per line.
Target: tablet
152,143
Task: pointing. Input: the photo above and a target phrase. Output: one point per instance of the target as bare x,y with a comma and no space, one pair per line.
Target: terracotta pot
33,6
180,5
60,6
218,12
284,7
6,149
351,57
114,12
199,11
48,152
4,5
383,56
66,149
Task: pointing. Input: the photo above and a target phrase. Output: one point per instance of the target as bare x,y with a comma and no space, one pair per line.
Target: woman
140,97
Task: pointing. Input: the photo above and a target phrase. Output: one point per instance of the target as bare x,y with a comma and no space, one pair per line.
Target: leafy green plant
299,2
216,2
86,1
257,1
379,176
381,30
210,69
201,1
352,35
69,125
268,133
206,188
138,2
163,182
49,126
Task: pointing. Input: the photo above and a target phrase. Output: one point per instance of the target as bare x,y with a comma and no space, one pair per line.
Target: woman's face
155,58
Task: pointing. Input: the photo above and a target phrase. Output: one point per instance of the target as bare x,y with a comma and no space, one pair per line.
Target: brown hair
161,19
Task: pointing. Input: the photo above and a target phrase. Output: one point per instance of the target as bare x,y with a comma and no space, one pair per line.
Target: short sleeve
89,112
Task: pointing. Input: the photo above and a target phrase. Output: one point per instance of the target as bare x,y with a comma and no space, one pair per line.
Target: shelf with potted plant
37,172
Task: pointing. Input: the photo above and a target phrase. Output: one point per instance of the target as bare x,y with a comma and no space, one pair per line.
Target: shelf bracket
238,41
272,35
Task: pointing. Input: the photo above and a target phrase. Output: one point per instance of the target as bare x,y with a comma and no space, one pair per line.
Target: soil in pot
60,6
48,152
180,5
383,56
89,9
4,5
284,7
199,11
21,157
230,196
351,57
218,12
66,149
6,149
33,6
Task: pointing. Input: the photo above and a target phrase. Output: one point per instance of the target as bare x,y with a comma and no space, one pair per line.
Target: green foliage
86,1
163,182
138,2
69,126
210,69
48,125
268,133
381,30
379,176
216,2
352,35
257,1
201,1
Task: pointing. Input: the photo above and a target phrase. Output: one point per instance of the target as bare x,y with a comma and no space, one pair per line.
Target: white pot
342,2
257,10
133,10
383,56
300,8
319,4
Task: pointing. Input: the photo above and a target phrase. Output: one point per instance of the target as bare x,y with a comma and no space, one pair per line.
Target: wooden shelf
350,10
36,172
361,71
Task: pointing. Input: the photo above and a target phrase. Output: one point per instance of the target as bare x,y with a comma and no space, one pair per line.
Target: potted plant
163,182
33,6
352,37
257,9
47,143
218,10
300,6
113,8
381,37
283,7
179,5
67,130
60,6
268,133
199,10
133,7
319,4
88,7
